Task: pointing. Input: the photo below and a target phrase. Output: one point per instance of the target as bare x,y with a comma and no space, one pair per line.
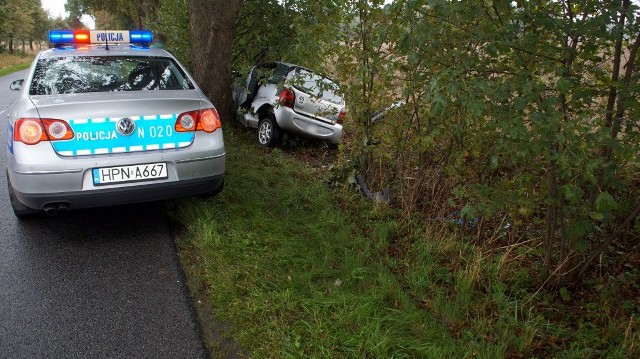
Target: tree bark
213,25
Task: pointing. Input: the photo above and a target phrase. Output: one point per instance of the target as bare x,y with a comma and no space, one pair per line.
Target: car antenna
106,41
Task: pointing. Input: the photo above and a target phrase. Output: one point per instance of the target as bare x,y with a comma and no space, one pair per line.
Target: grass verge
12,63
296,270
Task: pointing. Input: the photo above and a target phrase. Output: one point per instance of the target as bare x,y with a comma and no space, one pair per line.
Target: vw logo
125,126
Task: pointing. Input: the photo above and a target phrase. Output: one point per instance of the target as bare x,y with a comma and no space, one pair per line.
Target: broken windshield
81,74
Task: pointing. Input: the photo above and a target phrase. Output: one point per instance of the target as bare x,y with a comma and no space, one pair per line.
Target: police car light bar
60,37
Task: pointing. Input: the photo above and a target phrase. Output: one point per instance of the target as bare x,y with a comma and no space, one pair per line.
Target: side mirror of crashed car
16,85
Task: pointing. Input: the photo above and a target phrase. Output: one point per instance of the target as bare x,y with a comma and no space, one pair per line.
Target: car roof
100,50
278,63
292,67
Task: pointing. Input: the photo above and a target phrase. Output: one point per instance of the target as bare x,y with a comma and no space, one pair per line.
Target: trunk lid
316,96
114,122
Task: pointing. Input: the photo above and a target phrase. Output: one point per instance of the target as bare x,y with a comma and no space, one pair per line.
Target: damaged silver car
279,97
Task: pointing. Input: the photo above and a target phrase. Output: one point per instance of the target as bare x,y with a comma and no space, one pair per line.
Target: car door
268,84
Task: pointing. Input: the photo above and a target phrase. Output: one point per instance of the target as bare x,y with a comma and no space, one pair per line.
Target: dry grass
11,60
19,60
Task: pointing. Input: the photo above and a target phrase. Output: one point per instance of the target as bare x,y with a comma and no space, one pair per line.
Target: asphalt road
100,283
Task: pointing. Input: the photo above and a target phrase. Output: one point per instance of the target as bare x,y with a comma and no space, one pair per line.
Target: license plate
121,174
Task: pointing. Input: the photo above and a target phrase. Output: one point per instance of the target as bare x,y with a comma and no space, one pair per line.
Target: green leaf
580,228
598,216
519,103
605,202
572,193
582,245
351,179
494,162
564,294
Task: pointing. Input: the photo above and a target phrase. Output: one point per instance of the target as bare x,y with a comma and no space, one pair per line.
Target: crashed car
103,119
279,97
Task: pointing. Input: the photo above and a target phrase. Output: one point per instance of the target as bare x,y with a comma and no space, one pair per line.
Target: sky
56,8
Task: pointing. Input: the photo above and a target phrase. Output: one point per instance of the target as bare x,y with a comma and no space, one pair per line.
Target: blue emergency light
61,36
139,37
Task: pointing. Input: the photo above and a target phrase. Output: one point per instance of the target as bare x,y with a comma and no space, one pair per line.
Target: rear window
84,74
317,86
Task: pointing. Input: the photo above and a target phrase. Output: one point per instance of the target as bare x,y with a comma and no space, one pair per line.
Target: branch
609,240
629,67
615,76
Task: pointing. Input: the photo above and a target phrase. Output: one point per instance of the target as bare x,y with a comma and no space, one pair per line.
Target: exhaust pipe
63,208
53,209
50,209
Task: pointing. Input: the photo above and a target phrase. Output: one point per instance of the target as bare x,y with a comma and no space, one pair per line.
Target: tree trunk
213,25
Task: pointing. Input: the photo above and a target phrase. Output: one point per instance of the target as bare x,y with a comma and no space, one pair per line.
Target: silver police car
279,97
103,119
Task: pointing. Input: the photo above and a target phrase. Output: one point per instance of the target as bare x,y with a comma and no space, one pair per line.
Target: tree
213,24
17,23
106,20
127,13
173,23
41,22
264,32
524,110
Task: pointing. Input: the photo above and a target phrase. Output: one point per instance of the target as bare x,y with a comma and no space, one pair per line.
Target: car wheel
19,209
268,132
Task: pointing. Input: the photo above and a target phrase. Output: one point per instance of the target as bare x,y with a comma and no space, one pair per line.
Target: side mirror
16,85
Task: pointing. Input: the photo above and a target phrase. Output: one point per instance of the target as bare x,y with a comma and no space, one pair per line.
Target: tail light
57,129
341,116
287,98
32,131
206,120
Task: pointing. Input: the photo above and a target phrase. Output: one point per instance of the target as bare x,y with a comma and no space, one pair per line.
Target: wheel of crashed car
268,132
19,209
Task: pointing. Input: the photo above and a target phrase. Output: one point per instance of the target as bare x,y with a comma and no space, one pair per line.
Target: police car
104,119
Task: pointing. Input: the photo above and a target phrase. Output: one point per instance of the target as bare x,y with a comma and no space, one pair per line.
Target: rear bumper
294,122
75,187
115,196
39,177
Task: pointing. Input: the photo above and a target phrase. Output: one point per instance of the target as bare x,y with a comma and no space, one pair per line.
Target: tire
269,132
19,209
